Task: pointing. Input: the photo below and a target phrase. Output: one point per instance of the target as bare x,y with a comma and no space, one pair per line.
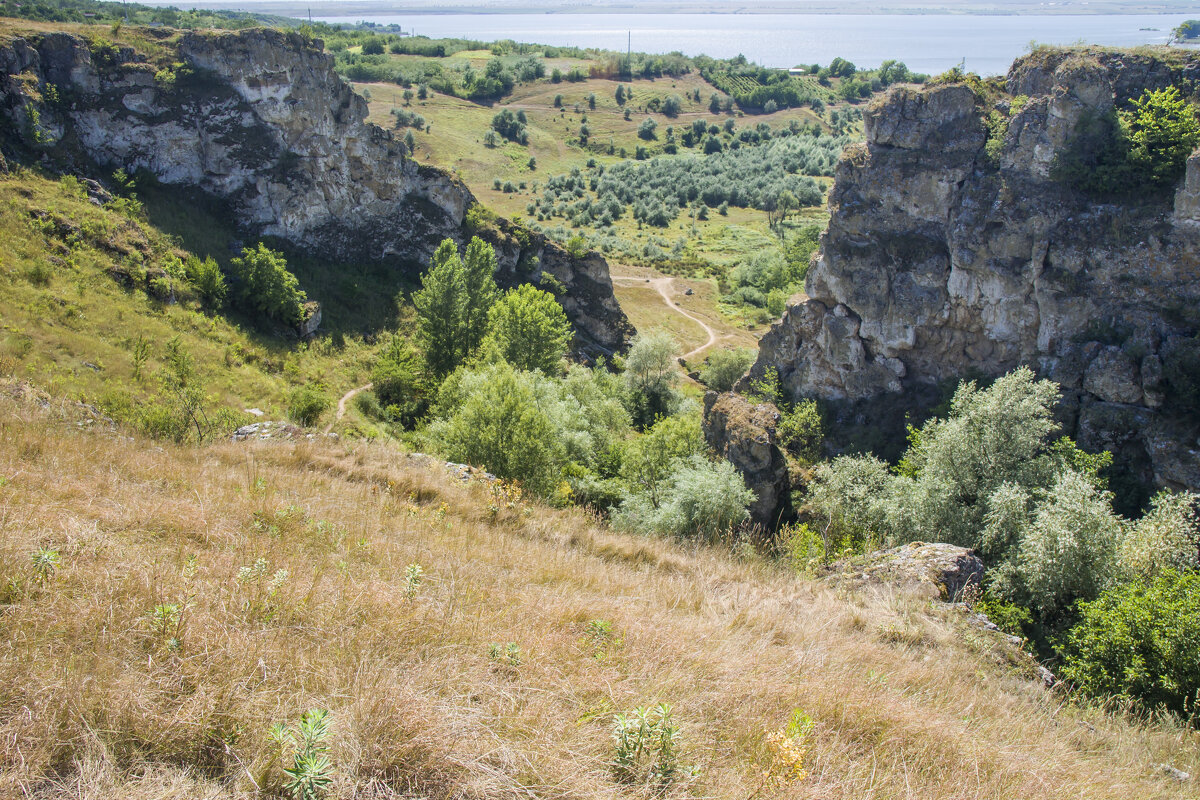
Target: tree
649,458
591,99
1162,132
714,104
500,426
671,105
479,282
441,308
723,368
771,107
398,381
206,276
620,95
651,373
529,330
1138,641
647,129
558,99
490,139
453,303
306,405
702,500
422,92
263,284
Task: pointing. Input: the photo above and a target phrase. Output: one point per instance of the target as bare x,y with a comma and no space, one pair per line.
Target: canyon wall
953,251
259,120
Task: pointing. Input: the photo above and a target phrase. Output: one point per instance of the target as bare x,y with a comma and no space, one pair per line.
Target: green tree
479,282
1139,641
398,381
651,373
500,426
529,330
723,368
1162,133
649,459
206,276
453,302
263,284
441,306
306,405
647,129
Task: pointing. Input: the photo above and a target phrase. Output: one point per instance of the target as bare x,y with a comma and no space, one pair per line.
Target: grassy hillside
80,314
234,587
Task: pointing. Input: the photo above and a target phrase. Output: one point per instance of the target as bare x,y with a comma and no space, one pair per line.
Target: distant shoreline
301,9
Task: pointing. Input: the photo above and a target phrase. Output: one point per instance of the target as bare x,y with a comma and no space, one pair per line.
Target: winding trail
346,398
663,286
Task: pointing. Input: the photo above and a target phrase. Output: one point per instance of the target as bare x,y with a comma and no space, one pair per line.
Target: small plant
601,636
141,351
786,751
509,653
646,746
311,772
45,564
413,575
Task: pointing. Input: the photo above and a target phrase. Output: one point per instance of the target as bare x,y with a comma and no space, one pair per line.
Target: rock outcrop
259,120
940,570
950,256
744,434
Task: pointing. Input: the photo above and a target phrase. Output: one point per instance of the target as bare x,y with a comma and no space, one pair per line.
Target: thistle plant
509,653
45,564
413,575
311,771
646,746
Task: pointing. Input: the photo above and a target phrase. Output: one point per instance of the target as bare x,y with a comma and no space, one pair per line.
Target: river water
929,43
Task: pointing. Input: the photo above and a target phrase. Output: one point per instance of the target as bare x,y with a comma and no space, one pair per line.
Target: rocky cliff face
946,258
260,120
744,434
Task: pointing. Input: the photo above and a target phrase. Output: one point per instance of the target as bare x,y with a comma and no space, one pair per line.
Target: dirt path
663,285
346,398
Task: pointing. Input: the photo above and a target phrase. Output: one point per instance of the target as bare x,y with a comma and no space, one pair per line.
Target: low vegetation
994,476
331,618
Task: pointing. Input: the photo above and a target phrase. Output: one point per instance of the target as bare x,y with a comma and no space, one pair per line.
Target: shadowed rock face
943,260
262,122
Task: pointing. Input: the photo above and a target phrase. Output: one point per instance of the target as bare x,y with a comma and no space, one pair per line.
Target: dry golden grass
909,701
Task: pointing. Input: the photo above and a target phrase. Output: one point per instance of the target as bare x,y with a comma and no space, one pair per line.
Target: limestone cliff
948,257
259,120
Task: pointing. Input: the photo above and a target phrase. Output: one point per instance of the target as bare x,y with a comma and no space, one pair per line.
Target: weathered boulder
259,120
950,256
744,433
939,570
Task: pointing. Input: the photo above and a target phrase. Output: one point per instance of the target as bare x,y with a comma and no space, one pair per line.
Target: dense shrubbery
1135,150
511,126
657,189
992,476
490,386
262,283
1141,642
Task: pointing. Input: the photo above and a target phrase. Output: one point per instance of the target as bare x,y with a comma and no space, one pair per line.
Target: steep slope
953,252
259,120
203,594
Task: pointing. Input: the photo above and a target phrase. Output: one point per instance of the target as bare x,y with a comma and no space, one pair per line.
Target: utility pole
629,53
